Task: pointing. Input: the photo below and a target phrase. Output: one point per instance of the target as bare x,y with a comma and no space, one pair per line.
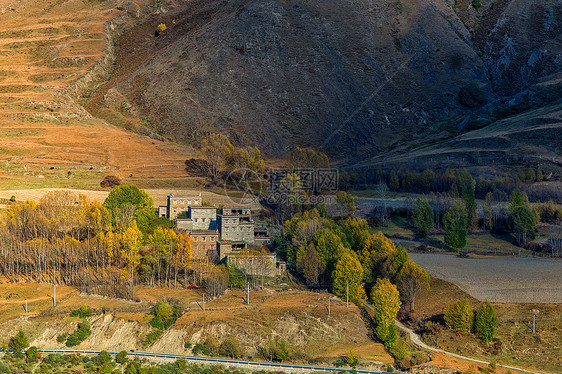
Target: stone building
236,225
179,204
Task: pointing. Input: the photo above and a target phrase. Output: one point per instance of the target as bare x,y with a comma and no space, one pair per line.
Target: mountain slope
334,74
350,78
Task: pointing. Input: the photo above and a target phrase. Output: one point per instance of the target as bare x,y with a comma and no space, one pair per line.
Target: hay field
506,280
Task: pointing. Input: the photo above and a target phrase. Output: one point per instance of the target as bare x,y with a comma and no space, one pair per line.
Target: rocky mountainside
352,78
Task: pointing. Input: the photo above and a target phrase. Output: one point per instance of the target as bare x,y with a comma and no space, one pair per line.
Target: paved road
270,365
415,338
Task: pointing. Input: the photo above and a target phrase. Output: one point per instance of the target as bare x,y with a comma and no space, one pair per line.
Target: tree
346,203
310,265
423,215
218,151
521,218
216,281
376,257
128,203
31,354
459,316
488,212
385,299
455,226
19,341
121,357
485,322
523,221
411,279
229,347
305,158
470,203
348,277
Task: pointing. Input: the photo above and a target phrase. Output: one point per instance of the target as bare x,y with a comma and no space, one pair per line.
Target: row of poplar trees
67,239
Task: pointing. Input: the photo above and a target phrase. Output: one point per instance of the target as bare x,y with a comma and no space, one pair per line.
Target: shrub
31,354
79,335
110,181
104,357
476,4
121,357
62,338
187,345
200,349
13,198
471,95
459,316
229,347
19,341
83,312
485,322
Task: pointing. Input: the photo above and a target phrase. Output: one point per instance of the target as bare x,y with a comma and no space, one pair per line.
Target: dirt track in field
508,280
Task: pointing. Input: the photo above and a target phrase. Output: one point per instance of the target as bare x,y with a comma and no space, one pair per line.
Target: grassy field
516,345
46,139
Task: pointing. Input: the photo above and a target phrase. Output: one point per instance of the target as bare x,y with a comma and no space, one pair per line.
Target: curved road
415,338
222,361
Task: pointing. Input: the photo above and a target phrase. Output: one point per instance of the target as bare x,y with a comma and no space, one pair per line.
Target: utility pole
329,306
248,293
347,295
535,312
203,302
54,295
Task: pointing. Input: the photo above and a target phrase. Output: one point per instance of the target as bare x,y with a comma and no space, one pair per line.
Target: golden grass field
46,138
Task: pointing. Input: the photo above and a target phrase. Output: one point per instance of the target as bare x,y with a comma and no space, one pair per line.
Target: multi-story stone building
178,204
204,243
236,225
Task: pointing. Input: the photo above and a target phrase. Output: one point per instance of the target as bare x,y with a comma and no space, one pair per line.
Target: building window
204,238
212,238
226,229
195,219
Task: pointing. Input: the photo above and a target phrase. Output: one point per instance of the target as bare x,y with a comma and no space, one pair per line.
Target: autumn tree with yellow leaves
385,300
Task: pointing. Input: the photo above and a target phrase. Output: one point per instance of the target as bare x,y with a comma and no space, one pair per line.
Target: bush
485,322
83,312
13,198
187,345
62,338
79,335
31,354
19,341
229,347
471,95
121,357
200,349
476,4
459,316
104,357
110,181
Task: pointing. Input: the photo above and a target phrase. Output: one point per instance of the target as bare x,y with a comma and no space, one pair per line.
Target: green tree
31,354
459,316
348,275
455,226
470,203
423,215
229,347
128,203
485,322
121,357
104,357
385,299
346,203
19,341
411,279
164,312
522,220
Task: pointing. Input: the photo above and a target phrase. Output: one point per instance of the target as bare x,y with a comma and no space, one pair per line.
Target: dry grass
40,127
519,347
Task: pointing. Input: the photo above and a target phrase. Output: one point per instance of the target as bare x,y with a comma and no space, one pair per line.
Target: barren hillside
348,77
